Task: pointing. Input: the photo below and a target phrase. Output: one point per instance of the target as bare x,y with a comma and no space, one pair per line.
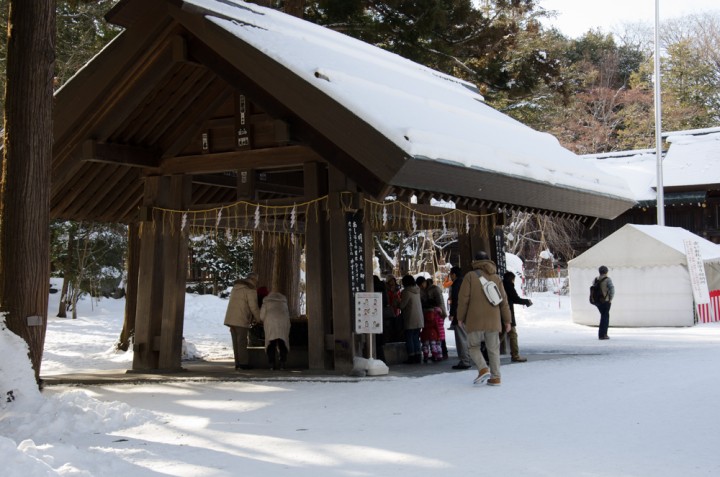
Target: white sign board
368,312
698,280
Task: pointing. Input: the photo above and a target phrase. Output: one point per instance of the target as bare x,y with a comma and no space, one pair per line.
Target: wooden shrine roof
178,93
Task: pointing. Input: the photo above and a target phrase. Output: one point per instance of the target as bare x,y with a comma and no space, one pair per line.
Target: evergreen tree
26,159
91,259
478,43
221,259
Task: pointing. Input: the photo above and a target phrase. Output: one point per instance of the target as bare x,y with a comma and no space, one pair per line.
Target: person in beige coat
481,320
275,316
242,311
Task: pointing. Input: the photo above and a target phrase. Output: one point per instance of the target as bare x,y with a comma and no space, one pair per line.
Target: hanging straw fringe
284,222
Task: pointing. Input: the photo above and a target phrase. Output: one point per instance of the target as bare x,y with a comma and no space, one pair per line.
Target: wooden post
149,298
174,275
369,253
316,272
339,278
161,277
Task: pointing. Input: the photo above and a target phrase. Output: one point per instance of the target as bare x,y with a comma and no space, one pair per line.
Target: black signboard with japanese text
356,252
499,238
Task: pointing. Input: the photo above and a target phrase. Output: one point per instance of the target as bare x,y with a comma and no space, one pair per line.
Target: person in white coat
275,317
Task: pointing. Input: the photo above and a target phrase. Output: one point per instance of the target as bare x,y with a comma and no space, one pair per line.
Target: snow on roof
693,158
638,170
428,114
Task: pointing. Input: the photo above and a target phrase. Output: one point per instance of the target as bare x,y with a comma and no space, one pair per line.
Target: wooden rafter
234,160
120,154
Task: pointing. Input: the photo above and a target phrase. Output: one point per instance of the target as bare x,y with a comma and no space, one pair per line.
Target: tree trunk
67,275
131,287
27,156
62,308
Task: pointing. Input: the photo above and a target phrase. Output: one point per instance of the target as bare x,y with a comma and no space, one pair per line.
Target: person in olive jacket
481,319
242,311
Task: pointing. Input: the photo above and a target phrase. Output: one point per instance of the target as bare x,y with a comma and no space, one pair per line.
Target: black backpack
596,294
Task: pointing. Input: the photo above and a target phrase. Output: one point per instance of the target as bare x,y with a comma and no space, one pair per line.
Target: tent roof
390,125
644,245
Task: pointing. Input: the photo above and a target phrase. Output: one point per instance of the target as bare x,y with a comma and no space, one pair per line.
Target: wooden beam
119,154
278,188
215,180
267,158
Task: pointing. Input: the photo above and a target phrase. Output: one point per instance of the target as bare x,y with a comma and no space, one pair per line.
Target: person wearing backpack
482,304
603,299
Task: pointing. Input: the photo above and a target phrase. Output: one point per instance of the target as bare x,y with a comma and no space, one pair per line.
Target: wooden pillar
471,243
369,253
286,271
174,277
263,259
343,346
342,329
161,278
316,272
149,298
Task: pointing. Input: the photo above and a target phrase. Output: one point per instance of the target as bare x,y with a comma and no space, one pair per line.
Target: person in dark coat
608,293
461,343
514,299
380,338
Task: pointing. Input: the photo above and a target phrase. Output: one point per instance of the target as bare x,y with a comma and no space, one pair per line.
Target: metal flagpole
658,121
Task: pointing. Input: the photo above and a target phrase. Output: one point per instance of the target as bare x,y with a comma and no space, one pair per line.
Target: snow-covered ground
644,403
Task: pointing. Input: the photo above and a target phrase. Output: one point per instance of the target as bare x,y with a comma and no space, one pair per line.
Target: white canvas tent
649,269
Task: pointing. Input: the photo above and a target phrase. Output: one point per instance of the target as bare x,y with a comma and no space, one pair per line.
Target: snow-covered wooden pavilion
227,116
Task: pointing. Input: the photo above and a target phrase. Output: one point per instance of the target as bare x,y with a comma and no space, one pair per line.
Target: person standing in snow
241,312
514,299
275,317
481,319
608,293
434,309
412,314
460,335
